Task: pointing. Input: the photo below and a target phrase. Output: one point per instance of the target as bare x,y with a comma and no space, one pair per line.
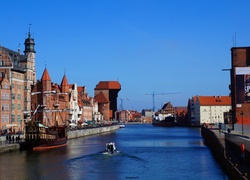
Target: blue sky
159,46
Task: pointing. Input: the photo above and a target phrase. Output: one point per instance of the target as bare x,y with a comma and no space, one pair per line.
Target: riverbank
72,134
11,143
235,162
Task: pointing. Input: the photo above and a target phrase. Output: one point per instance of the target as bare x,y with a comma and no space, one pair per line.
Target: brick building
106,93
240,84
17,74
50,100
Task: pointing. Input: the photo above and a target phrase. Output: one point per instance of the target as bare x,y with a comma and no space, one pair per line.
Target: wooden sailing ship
46,128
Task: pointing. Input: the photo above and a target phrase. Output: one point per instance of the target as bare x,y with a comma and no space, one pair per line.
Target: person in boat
110,148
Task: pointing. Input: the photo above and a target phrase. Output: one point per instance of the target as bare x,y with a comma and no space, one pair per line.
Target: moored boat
45,130
122,125
164,121
40,137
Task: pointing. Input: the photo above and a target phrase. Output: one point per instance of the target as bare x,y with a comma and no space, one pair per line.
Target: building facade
240,84
106,93
18,72
147,115
50,101
209,109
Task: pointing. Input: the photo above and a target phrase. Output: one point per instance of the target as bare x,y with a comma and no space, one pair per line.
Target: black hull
40,137
42,145
163,123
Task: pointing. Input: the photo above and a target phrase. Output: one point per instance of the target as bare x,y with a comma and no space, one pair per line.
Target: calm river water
146,152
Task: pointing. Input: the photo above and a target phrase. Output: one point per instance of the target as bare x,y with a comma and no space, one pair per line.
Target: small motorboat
122,125
110,148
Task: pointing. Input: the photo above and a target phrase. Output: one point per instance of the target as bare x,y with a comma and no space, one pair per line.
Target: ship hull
163,123
37,145
39,137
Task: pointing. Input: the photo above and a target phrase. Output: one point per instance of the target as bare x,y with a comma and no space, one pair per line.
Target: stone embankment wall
236,141
91,131
218,150
10,144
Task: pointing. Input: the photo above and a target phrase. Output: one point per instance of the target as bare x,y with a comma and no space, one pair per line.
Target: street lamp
242,121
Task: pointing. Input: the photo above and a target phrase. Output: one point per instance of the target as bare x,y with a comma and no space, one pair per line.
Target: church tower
28,64
30,53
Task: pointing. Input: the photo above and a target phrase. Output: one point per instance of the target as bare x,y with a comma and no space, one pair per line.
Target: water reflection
145,152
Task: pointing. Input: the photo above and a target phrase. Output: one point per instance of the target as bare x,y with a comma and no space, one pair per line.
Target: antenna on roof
64,71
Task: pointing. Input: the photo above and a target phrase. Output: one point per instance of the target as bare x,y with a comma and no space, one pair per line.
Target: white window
6,106
7,118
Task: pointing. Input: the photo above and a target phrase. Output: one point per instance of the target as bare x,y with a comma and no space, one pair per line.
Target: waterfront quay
11,142
231,149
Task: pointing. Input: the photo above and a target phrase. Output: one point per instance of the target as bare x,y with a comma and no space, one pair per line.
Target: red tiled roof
137,114
79,88
45,76
101,98
64,81
108,85
215,100
195,99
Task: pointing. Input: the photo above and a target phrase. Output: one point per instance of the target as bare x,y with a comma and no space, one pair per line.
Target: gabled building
209,109
75,109
53,98
86,104
19,71
5,104
167,108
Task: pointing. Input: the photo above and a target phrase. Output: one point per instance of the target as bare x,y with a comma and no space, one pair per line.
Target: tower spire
29,31
29,43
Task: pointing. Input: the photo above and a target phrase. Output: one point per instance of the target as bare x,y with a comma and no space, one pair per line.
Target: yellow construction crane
154,94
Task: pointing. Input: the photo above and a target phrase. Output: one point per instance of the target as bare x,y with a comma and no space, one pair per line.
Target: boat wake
101,155
106,165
